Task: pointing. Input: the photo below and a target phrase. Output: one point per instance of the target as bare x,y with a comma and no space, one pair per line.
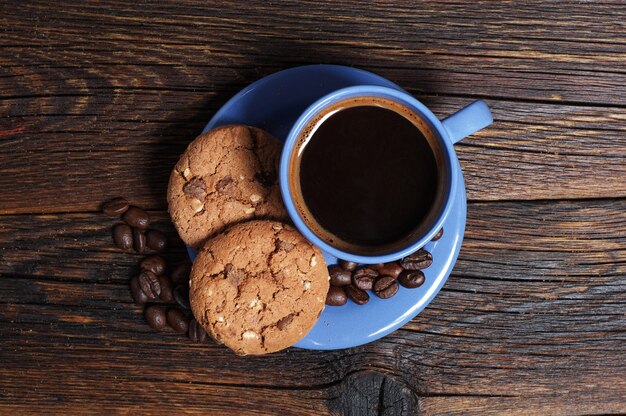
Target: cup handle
467,121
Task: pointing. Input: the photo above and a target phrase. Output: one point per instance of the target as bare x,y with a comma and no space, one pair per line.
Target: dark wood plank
533,151
525,51
529,320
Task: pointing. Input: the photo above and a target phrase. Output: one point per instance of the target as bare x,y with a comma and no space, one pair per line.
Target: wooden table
98,99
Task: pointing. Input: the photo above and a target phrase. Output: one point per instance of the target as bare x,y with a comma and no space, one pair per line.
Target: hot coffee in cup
366,175
367,172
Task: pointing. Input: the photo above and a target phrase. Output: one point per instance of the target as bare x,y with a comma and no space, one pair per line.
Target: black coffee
367,174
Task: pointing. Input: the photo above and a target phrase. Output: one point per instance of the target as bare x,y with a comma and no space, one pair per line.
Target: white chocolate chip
254,302
277,227
250,335
197,205
255,198
249,210
187,173
241,177
220,319
313,261
307,285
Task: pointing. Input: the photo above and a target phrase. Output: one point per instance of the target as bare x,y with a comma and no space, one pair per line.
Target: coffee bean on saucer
149,283
419,260
155,264
180,274
363,278
438,235
356,295
411,278
385,287
347,265
156,240
196,333
177,319
136,217
138,295
115,207
181,296
139,240
339,276
123,236
166,295
392,269
336,296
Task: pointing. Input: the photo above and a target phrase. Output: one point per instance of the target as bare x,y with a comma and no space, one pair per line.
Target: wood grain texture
98,99
124,87
538,327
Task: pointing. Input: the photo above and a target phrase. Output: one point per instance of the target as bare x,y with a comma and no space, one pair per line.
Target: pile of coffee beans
162,290
133,233
351,281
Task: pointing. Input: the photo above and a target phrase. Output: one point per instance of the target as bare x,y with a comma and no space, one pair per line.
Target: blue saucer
274,103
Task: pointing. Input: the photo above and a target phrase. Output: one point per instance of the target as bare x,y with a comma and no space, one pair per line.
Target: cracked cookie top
258,287
225,176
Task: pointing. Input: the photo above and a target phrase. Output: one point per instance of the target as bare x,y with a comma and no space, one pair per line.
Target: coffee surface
368,175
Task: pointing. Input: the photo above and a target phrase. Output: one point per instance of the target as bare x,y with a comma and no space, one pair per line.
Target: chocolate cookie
258,287
226,175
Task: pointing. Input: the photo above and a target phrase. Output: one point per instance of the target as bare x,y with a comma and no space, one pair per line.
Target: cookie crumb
250,335
197,205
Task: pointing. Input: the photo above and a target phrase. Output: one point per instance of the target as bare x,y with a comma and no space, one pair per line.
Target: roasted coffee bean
347,265
156,240
419,260
136,217
392,269
336,296
339,276
411,278
123,236
149,283
139,240
115,207
181,296
178,320
166,295
180,274
363,278
356,295
138,295
385,287
196,333
438,235
155,315
155,264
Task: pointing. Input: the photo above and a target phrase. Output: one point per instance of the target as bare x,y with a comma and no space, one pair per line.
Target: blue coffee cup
444,133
